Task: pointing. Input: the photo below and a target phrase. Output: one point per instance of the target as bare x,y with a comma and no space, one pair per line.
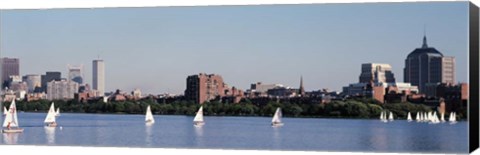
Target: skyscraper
75,73
50,76
10,66
377,73
98,79
427,65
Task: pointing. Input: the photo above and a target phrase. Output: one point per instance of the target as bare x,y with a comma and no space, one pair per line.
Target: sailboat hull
277,124
198,123
51,124
19,130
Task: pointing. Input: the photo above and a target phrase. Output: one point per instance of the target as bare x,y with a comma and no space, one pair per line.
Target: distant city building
33,81
61,89
427,65
137,94
204,87
378,81
448,70
260,90
48,77
10,66
377,73
75,73
98,79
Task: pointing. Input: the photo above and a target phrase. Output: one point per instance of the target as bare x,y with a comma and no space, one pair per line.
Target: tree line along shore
352,108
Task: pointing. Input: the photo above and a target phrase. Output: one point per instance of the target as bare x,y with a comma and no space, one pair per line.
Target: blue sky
156,48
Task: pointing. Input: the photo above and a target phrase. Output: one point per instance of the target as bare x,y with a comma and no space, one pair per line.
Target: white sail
277,118
425,117
149,116
199,117
11,117
5,111
442,117
381,115
409,117
417,117
450,117
57,113
51,114
454,117
390,117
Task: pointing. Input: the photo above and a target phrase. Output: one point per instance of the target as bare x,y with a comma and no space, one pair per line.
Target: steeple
424,45
301,89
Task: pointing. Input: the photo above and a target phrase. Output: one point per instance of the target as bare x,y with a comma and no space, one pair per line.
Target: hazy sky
155,49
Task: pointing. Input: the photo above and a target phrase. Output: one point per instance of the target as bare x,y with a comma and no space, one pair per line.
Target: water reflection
277,139
50,134
148,134
198,131
10,138
379,139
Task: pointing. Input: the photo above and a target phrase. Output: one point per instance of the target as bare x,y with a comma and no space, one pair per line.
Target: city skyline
158,48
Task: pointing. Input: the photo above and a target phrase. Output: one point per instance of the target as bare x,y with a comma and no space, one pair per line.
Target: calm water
251,133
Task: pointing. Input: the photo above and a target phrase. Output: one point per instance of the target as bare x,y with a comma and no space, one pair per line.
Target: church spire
301,89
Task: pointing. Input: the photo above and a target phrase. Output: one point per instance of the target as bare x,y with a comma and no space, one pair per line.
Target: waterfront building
207,87
260,90
98,79
64,89
10,66
427,65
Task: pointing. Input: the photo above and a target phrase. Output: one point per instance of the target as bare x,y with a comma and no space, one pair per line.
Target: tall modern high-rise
377,73
48,77
98,79
75,73
10,66
426,65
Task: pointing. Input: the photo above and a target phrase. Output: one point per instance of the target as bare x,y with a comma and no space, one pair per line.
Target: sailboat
149,117
434,118
417,117
390,117
277,118
57,113
383,116
452,118
5,111
409,117
50,119
198,120
10,124
442,117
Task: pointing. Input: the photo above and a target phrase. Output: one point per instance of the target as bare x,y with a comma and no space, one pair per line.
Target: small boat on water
409,117
383,116
198,120
390,117
277,118
57,113
442,117
149,116
10,124
452,119
50,119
